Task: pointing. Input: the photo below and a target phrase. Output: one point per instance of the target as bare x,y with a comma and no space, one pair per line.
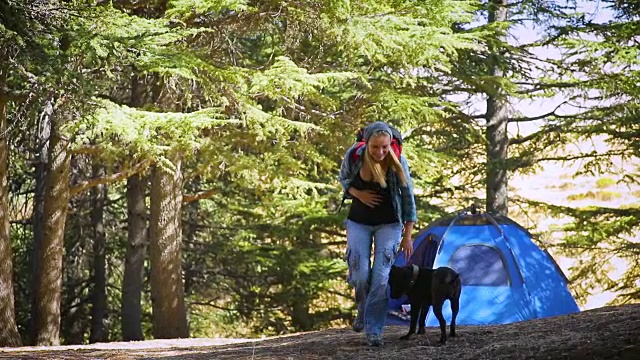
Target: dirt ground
604,333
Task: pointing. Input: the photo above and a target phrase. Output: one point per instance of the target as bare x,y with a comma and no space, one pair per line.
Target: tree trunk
191,265
133,280
9,335
99,295
497,119
189,235
77,280
41,160
300,318
165,242
75,316
48,293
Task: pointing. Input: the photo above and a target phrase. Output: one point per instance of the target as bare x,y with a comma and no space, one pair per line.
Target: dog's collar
414,277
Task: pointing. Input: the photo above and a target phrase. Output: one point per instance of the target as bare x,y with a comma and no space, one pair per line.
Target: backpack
396,142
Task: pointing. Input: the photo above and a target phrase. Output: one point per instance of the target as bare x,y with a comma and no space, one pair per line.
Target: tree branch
86,185
211,304
304,110
539,87
584,156
539,117
195,197
524,139
23,222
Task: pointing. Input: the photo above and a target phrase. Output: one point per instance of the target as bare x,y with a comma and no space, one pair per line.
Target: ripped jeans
370,282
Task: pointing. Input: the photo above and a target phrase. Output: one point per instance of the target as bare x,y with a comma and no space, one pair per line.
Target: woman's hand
406,244
368,197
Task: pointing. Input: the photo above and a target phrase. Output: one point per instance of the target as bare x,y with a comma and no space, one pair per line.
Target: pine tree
604,58
16,44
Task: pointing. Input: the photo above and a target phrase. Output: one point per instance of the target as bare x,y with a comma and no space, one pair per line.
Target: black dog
426,287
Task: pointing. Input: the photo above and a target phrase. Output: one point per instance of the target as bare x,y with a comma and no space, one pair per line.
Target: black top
383,213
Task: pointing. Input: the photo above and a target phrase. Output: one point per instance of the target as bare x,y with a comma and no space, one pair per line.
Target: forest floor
611,332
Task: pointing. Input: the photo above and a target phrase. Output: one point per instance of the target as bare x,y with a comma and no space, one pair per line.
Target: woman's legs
386,239
359,242
370,282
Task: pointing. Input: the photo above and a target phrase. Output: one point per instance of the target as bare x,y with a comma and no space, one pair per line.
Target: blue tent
505,276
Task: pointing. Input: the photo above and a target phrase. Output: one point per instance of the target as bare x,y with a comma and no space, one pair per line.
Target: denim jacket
403,201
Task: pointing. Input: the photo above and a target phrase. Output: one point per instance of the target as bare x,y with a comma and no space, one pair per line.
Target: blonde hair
377,168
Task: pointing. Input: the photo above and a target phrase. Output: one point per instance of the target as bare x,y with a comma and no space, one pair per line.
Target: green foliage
600,240
126,131
21,237
285,79
605,182
564,186
597,195
185,8
270,262
405,34
106,35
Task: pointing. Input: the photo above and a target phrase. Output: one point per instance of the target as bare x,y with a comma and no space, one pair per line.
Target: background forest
168,168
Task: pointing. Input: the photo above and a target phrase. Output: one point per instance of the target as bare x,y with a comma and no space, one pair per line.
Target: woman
382,215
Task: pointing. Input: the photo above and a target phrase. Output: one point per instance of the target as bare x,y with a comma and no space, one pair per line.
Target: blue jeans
370,282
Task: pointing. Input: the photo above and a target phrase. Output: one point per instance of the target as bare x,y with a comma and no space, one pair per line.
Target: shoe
358,323
374,340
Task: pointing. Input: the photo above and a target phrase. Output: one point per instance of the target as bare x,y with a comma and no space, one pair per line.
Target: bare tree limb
195,197
211,304
535,87
88,184
585,156
524,139
539,117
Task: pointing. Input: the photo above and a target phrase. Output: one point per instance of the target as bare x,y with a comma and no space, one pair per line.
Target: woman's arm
408,201
345,176
409,215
